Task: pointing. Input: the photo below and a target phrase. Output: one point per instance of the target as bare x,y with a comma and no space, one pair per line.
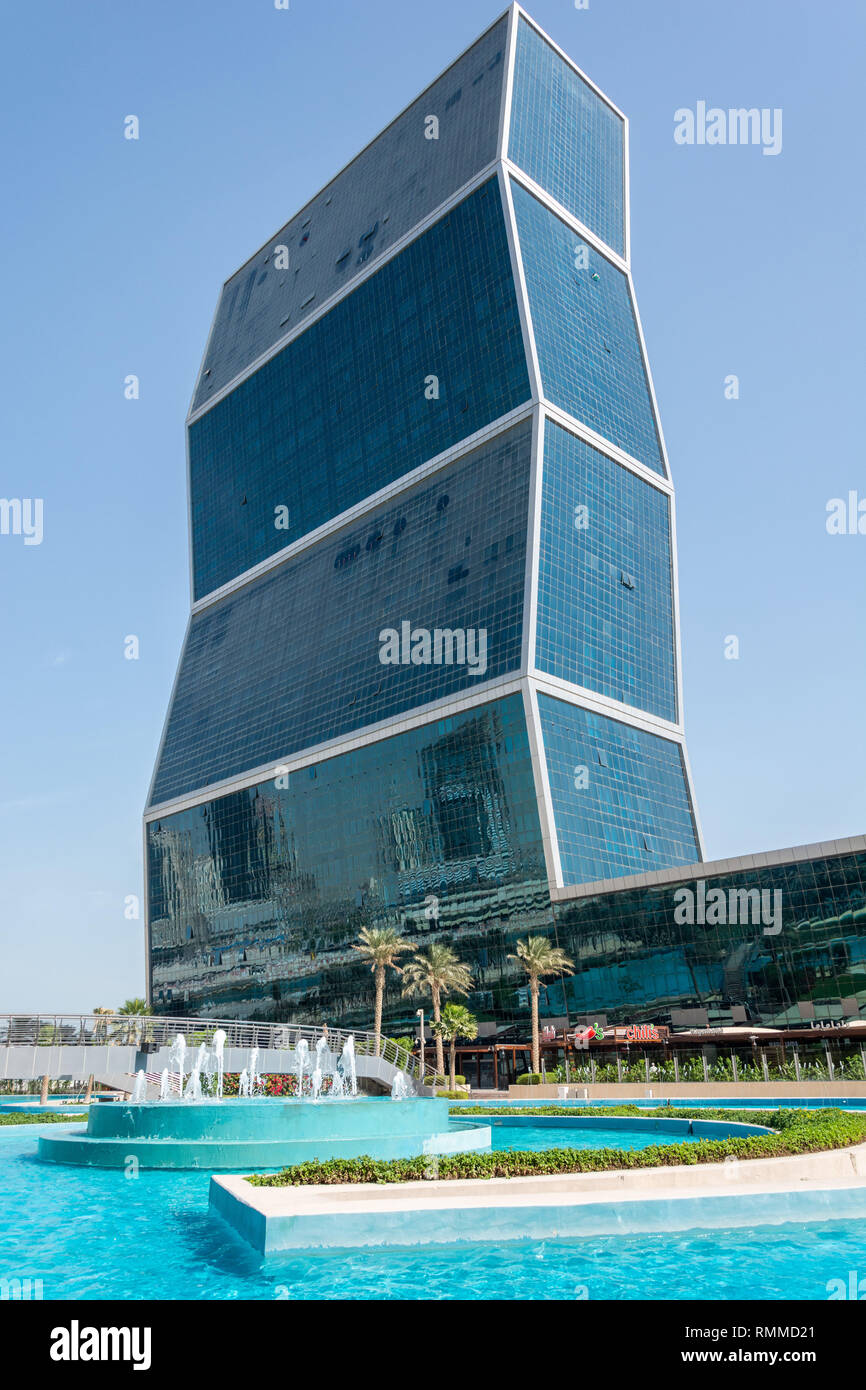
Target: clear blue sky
114,251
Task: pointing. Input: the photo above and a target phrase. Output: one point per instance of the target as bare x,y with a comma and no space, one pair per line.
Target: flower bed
276,1084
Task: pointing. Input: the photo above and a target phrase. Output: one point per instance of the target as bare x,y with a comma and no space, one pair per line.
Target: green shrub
459,1080
530,1078
47,1117
437,1080
796,1132
449,1095
607,1072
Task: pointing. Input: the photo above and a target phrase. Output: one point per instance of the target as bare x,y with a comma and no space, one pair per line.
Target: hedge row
798,1132
776,1119
47,1117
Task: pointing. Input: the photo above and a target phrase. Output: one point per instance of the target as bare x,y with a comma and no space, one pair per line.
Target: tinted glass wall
345,634
646,952
567,138
418,357
257,897
392,185
586,333
605,585
620,798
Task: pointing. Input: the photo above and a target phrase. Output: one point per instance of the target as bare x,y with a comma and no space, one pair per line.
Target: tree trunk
437,1014
533,987
452,1058
380,991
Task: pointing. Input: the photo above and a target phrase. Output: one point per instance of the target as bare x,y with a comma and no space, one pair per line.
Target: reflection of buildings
637,963
425,406
288,932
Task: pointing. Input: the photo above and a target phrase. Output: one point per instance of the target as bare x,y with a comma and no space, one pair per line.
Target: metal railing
151,1033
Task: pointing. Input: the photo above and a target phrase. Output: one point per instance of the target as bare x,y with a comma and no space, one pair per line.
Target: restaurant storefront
626,1053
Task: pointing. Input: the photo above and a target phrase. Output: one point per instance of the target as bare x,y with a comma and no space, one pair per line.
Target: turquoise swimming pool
10,1104
537,1132
92,1234
689,1103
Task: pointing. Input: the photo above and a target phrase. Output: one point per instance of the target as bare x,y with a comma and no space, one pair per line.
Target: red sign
642,1032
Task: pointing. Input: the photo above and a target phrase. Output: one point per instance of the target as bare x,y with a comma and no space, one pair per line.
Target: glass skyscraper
431,673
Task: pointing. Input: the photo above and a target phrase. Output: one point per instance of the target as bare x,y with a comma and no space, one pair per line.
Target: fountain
347,1065
219,1045
176,1060
256,1086
302,1053
208,1071
204,1130
193,1086
323,1056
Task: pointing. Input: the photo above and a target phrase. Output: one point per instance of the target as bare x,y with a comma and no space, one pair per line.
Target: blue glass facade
257,897
576,152
605,584
392,185
642,962
620,798
351,405
586,333
294,658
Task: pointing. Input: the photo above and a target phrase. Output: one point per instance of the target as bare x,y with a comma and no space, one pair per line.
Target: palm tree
539,958
133,1006
456,1022
380,947
130,1033
100,1031
437,971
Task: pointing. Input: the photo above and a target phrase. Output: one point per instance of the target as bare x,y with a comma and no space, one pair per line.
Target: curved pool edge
236,1136
676,1102
747,1192
643,1124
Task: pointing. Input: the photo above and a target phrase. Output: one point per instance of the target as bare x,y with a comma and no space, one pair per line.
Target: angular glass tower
432,663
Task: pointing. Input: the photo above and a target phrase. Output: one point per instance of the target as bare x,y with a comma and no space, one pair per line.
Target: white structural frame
527,680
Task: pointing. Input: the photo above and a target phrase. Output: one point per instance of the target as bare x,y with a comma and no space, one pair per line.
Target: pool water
507,1138
94,1233
691,1103
9,1105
